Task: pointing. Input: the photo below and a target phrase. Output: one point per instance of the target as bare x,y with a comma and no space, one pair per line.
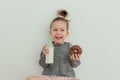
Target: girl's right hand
45,50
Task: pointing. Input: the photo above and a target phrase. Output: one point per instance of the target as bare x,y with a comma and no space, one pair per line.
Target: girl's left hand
75,56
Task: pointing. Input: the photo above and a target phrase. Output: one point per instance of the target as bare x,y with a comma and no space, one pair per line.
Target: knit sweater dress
63,65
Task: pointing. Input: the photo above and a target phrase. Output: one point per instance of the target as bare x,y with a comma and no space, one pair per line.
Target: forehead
59,24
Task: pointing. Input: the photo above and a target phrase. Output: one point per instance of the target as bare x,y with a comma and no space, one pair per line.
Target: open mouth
58,37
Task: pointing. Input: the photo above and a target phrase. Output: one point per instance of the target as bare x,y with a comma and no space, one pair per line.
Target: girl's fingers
72,57
75,56
45,50
79,55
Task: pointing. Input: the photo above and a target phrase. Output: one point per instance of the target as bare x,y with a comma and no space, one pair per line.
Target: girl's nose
58,32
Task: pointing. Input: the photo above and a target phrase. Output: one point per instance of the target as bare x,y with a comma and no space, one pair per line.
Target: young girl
64,62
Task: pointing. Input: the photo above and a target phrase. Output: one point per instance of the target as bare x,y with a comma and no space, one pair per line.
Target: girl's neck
58,43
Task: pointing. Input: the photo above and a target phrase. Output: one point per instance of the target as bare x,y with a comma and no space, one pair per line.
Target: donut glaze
75,49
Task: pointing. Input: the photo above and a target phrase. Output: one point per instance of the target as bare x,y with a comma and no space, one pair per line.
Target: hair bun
62,13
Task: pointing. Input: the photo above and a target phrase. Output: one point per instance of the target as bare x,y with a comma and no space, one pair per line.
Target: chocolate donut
75,49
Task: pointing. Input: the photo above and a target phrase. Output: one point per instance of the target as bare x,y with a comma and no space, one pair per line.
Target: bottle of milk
50,55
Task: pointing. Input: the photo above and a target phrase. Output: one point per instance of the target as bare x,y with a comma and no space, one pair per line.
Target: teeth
58,36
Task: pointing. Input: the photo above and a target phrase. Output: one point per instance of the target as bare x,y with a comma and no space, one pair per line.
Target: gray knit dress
63,65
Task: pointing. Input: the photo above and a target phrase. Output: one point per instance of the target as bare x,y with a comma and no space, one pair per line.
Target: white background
24,28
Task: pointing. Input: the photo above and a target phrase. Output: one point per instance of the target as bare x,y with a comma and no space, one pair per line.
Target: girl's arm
42,60
75,63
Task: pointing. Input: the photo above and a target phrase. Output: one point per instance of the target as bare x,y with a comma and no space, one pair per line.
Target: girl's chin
58,42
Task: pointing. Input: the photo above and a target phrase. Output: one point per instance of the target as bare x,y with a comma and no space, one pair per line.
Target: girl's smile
59,32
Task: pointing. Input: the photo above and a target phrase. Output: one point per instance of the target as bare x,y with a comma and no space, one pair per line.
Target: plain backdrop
94,25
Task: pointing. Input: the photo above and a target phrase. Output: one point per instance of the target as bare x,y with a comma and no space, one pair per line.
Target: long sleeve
75,63
42,60
63,65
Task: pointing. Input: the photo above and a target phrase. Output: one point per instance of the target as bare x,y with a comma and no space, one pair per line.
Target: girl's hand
74,56
45,50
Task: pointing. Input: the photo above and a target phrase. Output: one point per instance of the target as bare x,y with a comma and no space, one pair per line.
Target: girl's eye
54,29
62,30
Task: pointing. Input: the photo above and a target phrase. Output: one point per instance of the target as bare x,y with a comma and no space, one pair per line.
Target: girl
64,62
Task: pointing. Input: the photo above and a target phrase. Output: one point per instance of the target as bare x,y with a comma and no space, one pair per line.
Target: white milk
50,56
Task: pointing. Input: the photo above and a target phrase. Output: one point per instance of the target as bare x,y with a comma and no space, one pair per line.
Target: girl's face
59,32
